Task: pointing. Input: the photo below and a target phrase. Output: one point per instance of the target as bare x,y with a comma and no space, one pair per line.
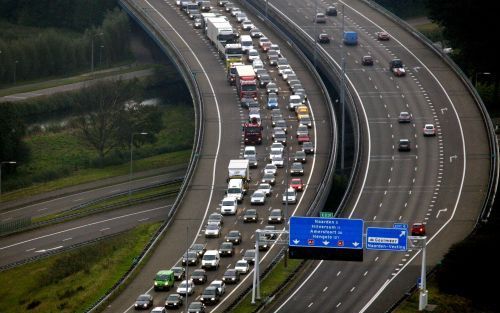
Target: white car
220,285
240,17
212,230
286,72
242,266
270,168
294,101
186,284
291,194
247,25
229,206
277,146
278,161
266,188
253,55
249,151
429,130
258,197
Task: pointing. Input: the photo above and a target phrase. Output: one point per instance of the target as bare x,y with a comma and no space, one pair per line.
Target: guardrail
494,170
299,39
136,13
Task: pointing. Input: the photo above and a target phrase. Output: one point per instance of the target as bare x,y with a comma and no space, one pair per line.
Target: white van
246,43
210,259
235,189
229,205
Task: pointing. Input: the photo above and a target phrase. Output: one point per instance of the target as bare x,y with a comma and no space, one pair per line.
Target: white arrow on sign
296,241
355,243
326,242
402,233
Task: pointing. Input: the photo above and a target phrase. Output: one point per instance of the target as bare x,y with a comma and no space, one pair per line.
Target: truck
397,68
220,31
252,132
239,168
350,38
246,84
232,54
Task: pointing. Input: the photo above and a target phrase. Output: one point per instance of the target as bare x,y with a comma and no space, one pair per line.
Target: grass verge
90,175
71,281
269,285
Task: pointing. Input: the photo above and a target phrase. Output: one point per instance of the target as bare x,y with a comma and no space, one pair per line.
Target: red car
418,229
303,138
297,184
383,36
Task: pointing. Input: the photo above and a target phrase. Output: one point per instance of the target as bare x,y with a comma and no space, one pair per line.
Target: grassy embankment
71,281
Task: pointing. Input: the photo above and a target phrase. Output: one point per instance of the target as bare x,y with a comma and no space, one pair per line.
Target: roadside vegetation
72,281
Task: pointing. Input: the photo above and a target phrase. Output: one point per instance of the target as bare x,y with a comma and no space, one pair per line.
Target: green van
164,280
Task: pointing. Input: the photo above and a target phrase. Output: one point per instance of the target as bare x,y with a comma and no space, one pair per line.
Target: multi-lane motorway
441,181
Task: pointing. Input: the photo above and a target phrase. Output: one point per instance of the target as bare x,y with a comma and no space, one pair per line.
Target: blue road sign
400,225
319,232
391,239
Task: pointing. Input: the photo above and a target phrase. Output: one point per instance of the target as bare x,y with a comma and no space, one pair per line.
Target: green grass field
71,281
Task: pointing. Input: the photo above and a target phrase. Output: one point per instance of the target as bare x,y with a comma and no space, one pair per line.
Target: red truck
252,132
246,84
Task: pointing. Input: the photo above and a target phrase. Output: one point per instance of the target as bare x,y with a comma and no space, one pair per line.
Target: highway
440,182
222,142
26,245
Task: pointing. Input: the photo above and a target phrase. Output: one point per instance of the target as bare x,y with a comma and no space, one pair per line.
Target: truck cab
235,189
350,38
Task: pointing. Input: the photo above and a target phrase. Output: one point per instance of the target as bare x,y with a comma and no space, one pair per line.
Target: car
263,242
323,38
302,130
294,101
233,236
268,179
404,117
164,280
270,168
215,218
305,119
397,68
367,60
264,80
262,40
281,124
250,216
229,206
269,232
297,184
211,260
174,301
220,285
249,256
258,197
212,230
290,195
275,217
210,295
229,6
266,46
273,59
198,23
275,47
265,188
205,6
429,130
272,87
199,248
196,307
301,93
303,138
144,301
250,154
296,85
272,100
240,17
222,3
279,136
418,229
179,272
159,309
234,11
279,161
297,169
250,103
259,72
255,33
286,72
273,53
186,286
331,11
253,55
226,249
190,258
300,156
320,18
247,25
383,36
231,276
242,267
404,145
199,276
308,147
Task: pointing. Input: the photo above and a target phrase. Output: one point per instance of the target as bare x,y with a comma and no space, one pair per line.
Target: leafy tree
12,130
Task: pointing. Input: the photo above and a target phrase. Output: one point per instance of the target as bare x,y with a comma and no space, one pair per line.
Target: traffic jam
278,121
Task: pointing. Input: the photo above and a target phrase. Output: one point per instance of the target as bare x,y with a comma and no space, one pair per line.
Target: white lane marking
67,239
81,226
324,289
47,250
42,209
106,228
30,249
310,304
78,200
143,219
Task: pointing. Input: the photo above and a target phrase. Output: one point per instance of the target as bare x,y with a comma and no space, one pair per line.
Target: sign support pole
422,301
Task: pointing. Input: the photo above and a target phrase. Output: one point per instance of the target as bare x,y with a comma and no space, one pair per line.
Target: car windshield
209,257
275,213
227,203
251,212
161,277
195,305
143,298
212,227
290,193
233,233
248,87
241,263
258,194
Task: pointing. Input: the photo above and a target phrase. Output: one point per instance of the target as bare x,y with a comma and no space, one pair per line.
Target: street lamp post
92,51
2,163
131,158
15,70
100,55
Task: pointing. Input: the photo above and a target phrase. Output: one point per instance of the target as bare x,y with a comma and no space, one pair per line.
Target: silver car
258,197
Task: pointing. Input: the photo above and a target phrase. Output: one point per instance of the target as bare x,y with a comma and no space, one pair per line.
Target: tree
12,130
